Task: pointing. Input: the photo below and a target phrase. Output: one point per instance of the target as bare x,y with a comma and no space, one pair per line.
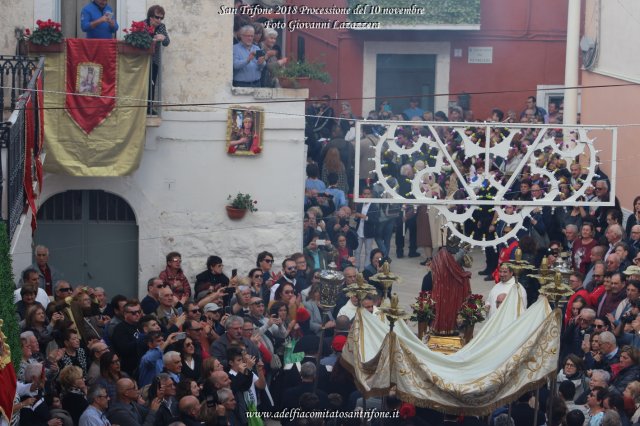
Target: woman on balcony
155,16
274,58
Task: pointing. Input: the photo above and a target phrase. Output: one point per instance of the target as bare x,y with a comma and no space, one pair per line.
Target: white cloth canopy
510,355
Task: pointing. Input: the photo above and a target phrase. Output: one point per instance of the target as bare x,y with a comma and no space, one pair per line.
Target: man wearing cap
632,272
414,110
214,316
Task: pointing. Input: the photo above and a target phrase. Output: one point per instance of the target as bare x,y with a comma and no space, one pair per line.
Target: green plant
48,32
140,35
243,202
7,307
313,70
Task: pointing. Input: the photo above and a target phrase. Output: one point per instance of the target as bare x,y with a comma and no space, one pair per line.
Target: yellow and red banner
91,81
95,120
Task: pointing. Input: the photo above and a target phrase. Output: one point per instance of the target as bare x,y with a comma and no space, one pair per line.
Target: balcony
18,74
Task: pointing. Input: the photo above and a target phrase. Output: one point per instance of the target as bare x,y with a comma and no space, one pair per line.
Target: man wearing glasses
125,337
62,291
576,331
150,302
289,272
126,410
265,263
94,414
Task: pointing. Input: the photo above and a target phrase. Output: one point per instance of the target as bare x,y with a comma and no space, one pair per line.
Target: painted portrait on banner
88,78
244,130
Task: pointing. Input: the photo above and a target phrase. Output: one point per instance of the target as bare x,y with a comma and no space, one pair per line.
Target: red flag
38,148
30,142
91,81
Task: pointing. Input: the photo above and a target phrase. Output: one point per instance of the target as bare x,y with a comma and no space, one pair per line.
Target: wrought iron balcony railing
18,75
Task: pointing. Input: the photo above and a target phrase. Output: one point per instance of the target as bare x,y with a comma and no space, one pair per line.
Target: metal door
405,75
92,238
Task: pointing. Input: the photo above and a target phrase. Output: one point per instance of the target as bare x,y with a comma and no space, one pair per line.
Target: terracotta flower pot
131,50
294,82
235,214
52,48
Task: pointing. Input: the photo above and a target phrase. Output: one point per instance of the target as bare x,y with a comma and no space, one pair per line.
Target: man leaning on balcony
97,20
248,60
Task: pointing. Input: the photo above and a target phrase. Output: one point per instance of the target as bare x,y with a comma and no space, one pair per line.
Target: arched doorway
92,238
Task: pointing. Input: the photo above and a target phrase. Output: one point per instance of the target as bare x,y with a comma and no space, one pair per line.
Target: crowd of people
600,246
217,350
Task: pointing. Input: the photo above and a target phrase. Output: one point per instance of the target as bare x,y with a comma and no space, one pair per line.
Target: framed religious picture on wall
244,130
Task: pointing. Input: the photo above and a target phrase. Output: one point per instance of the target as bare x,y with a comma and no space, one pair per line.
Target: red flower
407,411
27,31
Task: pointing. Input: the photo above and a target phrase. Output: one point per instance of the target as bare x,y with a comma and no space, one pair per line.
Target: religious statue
451,286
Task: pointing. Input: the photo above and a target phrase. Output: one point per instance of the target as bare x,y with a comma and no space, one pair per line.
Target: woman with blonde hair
333,163
74,389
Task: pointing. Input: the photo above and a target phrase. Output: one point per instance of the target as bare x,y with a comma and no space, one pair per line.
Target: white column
572,67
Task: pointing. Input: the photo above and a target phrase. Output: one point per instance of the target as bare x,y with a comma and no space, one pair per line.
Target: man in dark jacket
125,337
212,277
189,408
126,411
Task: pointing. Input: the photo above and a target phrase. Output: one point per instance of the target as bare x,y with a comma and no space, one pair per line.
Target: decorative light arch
562,142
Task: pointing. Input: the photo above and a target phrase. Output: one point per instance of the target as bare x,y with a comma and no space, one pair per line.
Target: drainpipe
572,67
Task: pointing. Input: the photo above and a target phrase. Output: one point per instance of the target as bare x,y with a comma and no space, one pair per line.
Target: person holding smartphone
97,20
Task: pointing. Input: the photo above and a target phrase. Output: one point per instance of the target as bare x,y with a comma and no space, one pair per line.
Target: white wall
615,24
179,192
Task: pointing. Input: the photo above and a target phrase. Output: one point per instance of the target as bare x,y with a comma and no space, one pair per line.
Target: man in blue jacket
97,20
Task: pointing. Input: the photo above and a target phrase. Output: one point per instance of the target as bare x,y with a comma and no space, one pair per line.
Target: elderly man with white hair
613,234
248,60
570,236
172,365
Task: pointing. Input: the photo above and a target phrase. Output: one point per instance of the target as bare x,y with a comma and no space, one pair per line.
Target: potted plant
238,205
470,313
291,74
138,38
46,37
423,311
